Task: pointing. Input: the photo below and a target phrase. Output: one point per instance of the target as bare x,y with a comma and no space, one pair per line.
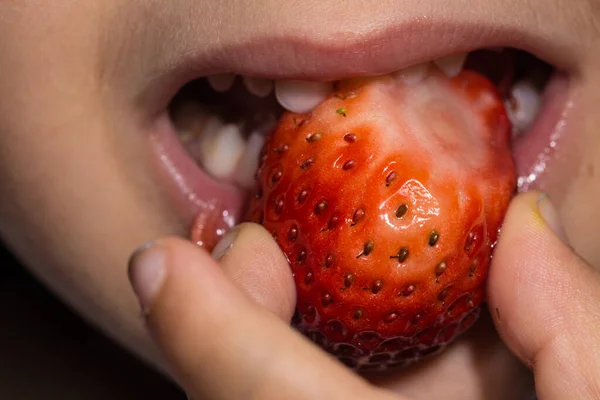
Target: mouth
208,139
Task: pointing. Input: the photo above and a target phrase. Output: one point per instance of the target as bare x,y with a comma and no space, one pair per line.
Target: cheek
580,212
74,208
77,195
574,184
77,189
80,187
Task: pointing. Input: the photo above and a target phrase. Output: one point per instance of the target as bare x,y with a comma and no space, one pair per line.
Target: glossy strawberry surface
387,200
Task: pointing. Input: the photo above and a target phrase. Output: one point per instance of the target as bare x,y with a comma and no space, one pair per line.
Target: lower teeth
522,106
249,162
220,148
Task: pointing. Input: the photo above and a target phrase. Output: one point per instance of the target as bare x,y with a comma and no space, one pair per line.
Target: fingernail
146,273
550,215
225,244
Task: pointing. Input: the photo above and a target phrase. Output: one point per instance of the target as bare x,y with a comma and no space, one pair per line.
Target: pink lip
381,51
197,197
534,151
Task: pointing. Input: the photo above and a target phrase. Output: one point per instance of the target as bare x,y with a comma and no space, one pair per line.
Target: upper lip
369,49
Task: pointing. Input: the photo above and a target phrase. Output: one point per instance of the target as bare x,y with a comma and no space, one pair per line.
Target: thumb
253,261
220,342
546,301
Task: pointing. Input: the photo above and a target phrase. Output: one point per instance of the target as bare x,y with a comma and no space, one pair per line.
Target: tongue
451,121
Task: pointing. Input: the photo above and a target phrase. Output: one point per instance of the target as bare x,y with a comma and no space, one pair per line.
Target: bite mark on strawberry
386,200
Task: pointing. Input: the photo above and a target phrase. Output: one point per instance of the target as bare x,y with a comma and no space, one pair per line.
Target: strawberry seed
391,317
402,255
358,314
276,176
348,165
377,286
329,260
301,258
473,267
307,163
443,294
309,277
348,280
390,178
302,196
401,211
350,137
367,249
433,238
407,291
440,269
293,233
333,222
327,299
279,206
358,216
321,207
314,138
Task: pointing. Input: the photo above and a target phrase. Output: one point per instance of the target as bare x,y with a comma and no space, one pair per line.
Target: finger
546,301
258,267
219,343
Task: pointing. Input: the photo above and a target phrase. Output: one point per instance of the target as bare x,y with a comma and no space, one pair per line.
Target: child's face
84,88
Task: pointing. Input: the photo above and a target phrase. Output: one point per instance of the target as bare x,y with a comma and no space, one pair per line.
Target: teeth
259,87
221,148
196,136
523,106
221,82
249,161
189,120
451,65
301,96
414,74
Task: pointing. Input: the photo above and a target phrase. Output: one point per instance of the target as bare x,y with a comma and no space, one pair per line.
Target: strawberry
387,199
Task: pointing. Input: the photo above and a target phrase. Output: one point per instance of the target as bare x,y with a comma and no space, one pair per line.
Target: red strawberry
387,200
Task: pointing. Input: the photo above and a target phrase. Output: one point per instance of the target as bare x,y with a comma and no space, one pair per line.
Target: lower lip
534,151
211,205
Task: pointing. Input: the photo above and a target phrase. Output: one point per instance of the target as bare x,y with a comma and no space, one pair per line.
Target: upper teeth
221,82
258,86
413,74
451,65
221,148
301,96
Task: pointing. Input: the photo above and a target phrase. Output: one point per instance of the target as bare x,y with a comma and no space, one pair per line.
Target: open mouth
216,127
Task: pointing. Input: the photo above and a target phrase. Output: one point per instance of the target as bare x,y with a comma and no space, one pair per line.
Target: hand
224,329
545,302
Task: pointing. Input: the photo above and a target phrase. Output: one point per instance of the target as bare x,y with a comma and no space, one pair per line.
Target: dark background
47,352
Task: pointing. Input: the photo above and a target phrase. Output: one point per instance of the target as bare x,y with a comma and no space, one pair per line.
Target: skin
78,193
